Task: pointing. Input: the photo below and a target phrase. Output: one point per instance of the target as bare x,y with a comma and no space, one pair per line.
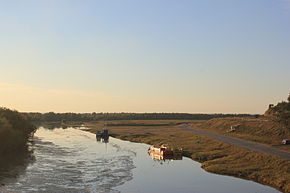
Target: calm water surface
71,160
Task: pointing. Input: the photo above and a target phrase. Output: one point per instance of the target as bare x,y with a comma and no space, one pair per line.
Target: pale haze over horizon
196,56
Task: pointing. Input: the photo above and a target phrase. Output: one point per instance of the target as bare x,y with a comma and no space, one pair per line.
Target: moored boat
160,149
163,152
102,135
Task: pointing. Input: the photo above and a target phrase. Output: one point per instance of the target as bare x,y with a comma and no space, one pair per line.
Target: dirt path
261,148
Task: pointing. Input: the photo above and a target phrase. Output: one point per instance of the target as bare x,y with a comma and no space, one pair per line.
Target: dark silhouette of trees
15,129
58,117
282,112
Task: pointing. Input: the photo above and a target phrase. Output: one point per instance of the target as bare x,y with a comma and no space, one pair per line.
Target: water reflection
53,125
14,164
60,125
158,157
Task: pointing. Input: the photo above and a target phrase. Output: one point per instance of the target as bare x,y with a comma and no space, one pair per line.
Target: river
71,160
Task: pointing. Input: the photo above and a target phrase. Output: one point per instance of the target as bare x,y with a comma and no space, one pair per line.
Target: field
260,130
215,156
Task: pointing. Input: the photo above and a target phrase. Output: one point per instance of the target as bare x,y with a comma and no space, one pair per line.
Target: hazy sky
209,56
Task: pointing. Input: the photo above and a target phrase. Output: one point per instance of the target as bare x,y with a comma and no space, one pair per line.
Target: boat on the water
163,152
102,135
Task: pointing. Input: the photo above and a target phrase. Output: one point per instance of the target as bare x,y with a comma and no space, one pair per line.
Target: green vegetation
61,117
282,112
269,129
215,156
14,131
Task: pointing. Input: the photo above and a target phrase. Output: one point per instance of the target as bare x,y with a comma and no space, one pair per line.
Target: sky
195,56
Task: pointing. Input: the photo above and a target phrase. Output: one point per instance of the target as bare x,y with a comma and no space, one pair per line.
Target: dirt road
261,148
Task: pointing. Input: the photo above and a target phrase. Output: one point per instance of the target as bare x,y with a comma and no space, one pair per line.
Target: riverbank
215,156
261,130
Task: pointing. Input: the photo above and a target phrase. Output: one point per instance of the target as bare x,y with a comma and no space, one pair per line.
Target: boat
163,152
102,135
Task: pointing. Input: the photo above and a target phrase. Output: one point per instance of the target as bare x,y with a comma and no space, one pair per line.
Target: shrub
14,130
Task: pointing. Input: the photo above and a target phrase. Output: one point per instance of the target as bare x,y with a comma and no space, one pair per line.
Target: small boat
162,152
102,135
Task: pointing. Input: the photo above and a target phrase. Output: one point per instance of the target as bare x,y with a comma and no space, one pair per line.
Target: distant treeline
15,129
51,116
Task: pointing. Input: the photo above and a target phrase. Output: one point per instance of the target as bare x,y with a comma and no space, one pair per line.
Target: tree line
55,117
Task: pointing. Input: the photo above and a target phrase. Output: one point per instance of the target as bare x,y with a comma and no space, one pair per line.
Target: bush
14,130
282,112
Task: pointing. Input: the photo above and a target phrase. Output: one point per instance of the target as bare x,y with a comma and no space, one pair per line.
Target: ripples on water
70,160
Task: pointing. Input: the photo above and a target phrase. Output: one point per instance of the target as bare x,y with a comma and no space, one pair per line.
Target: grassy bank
215,156
260,129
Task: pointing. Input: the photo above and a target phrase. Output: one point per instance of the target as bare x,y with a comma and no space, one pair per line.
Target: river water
71,160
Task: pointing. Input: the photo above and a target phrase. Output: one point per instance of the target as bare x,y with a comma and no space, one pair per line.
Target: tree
14,130
282,112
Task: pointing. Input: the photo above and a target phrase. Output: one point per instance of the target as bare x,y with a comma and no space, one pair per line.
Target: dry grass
215,156
255,129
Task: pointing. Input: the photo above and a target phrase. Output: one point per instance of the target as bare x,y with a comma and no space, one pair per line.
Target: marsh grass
260,130
215,156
